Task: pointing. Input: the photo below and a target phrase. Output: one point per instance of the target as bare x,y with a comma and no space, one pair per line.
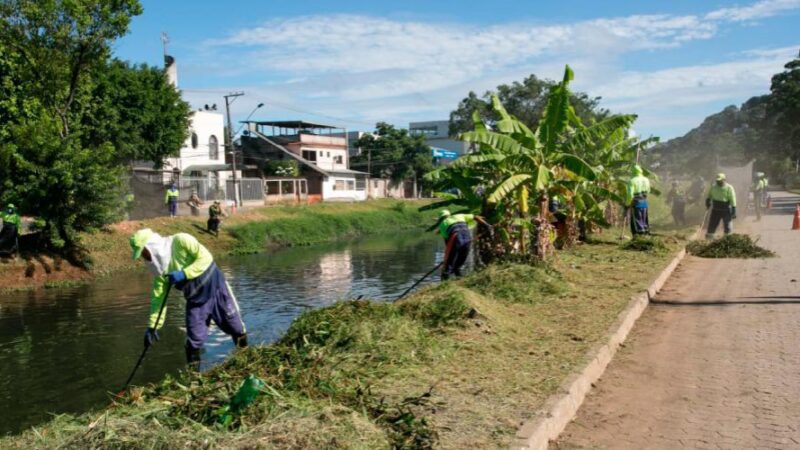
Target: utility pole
228,102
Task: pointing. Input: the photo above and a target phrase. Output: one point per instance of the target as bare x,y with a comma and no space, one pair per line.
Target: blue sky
353,63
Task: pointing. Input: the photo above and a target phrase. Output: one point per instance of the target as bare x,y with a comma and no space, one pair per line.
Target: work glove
708,203
176,277
733,212
150,337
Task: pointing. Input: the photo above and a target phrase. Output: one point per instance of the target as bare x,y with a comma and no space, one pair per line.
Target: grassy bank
248,232
458,365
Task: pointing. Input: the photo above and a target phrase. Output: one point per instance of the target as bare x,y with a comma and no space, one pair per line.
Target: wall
328,192
204,124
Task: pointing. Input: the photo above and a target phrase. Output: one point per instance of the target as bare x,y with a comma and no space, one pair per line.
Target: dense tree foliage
393,153
765,129
526,101
69,115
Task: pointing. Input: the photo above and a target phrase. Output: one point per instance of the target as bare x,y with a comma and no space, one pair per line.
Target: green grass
457,365
251,231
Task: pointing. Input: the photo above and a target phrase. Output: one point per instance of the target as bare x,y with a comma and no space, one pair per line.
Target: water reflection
63,350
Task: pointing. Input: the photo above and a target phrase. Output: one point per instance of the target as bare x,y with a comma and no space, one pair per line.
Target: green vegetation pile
729,246
456,365
645,244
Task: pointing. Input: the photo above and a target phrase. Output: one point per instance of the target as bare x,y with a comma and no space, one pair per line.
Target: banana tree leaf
497,141
507,187
542,178
577,166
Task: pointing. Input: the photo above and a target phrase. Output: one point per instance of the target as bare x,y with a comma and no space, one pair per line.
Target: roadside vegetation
457,365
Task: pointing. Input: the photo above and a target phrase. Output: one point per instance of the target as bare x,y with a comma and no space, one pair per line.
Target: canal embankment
249,231
457,365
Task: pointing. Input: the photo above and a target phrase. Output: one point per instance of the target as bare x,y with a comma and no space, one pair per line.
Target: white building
320,151
202,155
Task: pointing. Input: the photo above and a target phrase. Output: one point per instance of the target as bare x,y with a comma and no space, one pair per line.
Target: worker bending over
721,200
457,237
638,189
215,213
188,266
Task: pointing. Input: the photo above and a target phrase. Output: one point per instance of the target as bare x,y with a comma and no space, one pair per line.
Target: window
328,155
351,185
287,187
338,185
338,159
213,147
310,155
194,139
431,130
303,187
361,184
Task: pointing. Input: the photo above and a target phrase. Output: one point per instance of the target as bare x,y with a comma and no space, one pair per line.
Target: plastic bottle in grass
247,393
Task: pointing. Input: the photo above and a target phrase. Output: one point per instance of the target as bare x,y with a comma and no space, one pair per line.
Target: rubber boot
193,357
240,341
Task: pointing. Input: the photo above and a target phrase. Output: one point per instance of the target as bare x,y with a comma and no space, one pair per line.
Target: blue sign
442,153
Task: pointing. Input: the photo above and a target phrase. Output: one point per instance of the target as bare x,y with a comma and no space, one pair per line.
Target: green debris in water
729,246
645,244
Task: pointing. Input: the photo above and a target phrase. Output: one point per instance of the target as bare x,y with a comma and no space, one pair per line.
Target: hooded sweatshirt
169,254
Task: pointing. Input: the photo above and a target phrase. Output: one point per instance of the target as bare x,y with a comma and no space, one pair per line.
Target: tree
56,164
393,153
784,107
516,169
137,109
525,101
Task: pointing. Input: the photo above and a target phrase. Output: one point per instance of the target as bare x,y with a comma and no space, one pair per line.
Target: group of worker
180,261
215,211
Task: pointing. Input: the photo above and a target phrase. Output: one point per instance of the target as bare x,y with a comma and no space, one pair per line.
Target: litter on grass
729,246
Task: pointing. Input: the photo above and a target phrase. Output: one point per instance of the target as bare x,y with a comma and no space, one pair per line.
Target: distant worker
759,193
721,200
638,189
677,197
215,212
697,190
187,265
171,200
195,203
9,234
457,237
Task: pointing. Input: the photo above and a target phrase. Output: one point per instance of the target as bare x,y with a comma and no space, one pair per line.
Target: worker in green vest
759,193
638,189
721,200
9,234
171,200
187,265
454,228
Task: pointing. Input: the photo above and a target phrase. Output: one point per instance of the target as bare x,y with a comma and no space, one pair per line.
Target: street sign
442,153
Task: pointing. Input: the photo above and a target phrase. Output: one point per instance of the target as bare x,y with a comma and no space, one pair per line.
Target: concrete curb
561,407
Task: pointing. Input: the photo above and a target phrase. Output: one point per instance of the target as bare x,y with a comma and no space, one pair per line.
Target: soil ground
712,363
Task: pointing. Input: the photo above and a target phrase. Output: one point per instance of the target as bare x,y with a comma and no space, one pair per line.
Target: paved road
713,363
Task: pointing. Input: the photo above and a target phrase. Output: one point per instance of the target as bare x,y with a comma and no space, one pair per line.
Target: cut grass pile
651,244
729,246
457,365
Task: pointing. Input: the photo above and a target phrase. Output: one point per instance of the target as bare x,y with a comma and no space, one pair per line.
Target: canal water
64,350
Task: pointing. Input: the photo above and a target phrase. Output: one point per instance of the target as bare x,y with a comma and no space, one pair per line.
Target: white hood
160,249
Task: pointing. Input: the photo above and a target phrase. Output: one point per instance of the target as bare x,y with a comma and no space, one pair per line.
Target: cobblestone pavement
714,362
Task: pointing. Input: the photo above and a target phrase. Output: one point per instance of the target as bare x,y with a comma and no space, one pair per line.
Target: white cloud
370,68
758,10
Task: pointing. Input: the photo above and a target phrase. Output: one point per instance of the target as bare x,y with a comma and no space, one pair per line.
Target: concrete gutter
559,410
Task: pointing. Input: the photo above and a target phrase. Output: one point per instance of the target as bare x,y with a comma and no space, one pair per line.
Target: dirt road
713,363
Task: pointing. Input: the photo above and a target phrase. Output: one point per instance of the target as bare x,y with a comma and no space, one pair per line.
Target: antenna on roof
164,41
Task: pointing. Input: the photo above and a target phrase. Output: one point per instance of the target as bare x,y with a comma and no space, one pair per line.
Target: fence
149,189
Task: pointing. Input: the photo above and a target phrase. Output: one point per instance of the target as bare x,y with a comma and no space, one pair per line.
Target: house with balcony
321,152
